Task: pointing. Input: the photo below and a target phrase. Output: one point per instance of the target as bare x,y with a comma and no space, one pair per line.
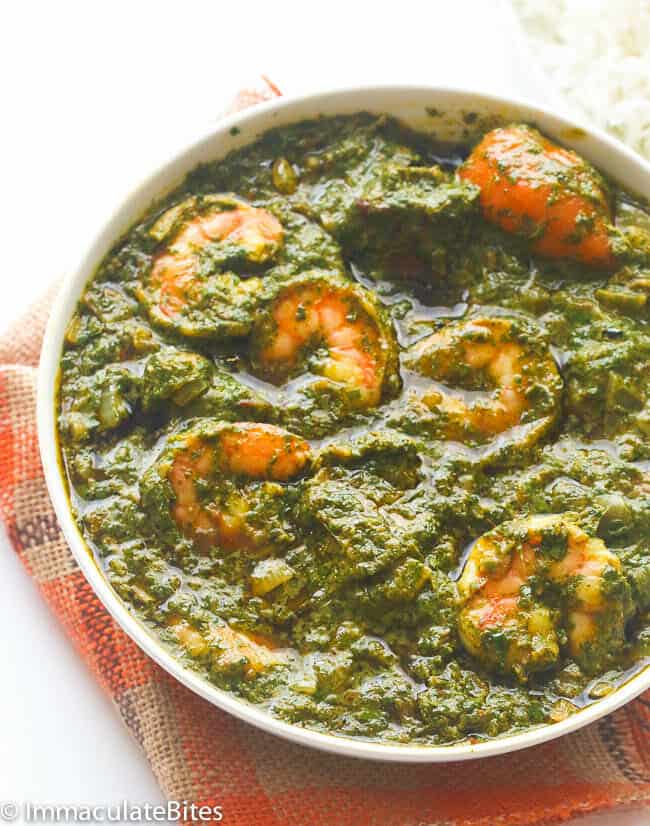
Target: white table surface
95,93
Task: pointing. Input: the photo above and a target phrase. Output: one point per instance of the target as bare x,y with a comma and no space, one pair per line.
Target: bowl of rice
590,59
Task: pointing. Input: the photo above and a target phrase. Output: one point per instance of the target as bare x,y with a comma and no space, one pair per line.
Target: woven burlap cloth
202,755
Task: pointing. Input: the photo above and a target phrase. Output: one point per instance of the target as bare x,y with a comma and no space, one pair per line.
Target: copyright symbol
8,811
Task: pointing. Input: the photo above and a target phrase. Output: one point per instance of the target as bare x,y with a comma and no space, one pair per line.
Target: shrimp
534,585
184,289
491,349
227,648
207,510
532,187
338,326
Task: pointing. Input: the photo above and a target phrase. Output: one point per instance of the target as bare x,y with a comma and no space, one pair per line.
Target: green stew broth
358,425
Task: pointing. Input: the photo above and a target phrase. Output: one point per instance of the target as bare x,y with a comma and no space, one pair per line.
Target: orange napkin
202,755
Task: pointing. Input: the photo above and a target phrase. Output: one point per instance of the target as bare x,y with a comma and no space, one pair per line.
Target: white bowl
410,104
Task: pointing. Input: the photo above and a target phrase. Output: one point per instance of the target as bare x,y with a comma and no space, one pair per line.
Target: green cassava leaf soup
359,425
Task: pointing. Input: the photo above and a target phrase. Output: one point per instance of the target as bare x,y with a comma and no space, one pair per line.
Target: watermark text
174,811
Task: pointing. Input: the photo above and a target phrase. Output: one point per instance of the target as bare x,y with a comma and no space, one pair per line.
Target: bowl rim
65,301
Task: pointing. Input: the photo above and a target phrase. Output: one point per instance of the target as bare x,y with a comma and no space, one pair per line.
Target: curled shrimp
200,467
533,187
334,325
534,586
484,353
186,288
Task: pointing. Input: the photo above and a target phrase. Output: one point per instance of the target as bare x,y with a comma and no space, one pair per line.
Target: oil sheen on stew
359,425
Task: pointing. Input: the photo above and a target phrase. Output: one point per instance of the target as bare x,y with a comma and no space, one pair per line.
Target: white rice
596,55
